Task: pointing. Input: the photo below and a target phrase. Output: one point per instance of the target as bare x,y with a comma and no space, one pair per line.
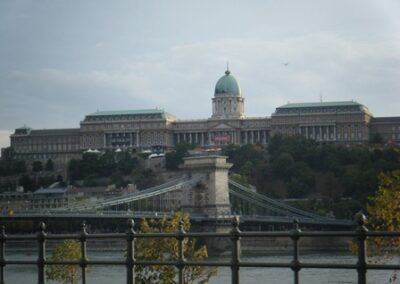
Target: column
202,138
334,133
330,132
245,137
306,131
320,133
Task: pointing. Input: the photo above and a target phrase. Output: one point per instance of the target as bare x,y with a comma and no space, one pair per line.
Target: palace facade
345,122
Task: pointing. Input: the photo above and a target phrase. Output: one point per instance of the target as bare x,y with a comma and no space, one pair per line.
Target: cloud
4,138
181,79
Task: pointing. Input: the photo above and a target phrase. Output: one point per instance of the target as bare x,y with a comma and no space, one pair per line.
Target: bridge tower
211,195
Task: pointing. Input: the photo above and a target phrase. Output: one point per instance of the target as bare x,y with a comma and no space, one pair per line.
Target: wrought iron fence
360,234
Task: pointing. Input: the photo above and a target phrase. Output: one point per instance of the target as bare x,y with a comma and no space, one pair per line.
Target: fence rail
360,234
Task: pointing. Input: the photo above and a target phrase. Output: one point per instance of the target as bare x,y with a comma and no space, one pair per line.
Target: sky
63,59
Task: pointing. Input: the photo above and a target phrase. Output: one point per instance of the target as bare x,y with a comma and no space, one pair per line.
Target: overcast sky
63,59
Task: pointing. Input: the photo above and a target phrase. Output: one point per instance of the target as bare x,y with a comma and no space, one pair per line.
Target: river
116,274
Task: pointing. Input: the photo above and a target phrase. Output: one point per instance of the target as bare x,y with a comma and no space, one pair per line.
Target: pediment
222,126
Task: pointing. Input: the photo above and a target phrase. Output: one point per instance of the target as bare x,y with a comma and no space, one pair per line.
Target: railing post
2,253
294,235
130,253
181,258
235,262
83,261
41,237
362,247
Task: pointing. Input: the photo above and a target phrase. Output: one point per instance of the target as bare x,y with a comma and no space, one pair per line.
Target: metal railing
360,235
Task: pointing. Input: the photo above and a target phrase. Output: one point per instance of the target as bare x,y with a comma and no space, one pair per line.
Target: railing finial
130,224
361,221
42,227
83,229
296,224
181,228
236,223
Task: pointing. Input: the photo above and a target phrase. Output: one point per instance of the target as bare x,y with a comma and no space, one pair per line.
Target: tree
383,211
49,165
74,169
284,166
377,138
66,274
166,249
37,166
27,183
18,167
175,158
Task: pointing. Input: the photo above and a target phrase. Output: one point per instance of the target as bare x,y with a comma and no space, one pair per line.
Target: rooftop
321,104
51,190
131,112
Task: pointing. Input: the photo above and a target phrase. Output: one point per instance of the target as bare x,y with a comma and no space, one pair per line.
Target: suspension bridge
204,191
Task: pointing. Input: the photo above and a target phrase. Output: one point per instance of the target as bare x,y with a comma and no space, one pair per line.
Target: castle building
345,122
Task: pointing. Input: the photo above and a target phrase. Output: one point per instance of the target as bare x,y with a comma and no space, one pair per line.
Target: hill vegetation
332,178
325,178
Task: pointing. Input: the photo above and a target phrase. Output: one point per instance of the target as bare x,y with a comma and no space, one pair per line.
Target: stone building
60,145
345,122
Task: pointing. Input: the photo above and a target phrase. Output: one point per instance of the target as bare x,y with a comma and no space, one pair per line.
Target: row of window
123,126
317,110
46,147
123,117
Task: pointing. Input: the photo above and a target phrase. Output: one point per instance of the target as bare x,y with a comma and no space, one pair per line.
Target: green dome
228,85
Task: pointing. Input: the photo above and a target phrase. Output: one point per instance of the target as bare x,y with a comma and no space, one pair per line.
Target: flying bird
286,63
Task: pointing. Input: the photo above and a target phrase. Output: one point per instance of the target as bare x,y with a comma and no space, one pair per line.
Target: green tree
239,178
125,163
49,165
175,158
383,211
377,138
75,169
66,274
284,166
117,178
45,181
27,183
18,167
37,166
166,249
145,178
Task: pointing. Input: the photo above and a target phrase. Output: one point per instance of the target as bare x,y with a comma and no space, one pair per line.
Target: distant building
56,196
53,197
345,122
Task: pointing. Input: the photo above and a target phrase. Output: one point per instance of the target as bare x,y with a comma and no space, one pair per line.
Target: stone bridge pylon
210,196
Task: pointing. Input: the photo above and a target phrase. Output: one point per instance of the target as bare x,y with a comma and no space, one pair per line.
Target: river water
116,274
